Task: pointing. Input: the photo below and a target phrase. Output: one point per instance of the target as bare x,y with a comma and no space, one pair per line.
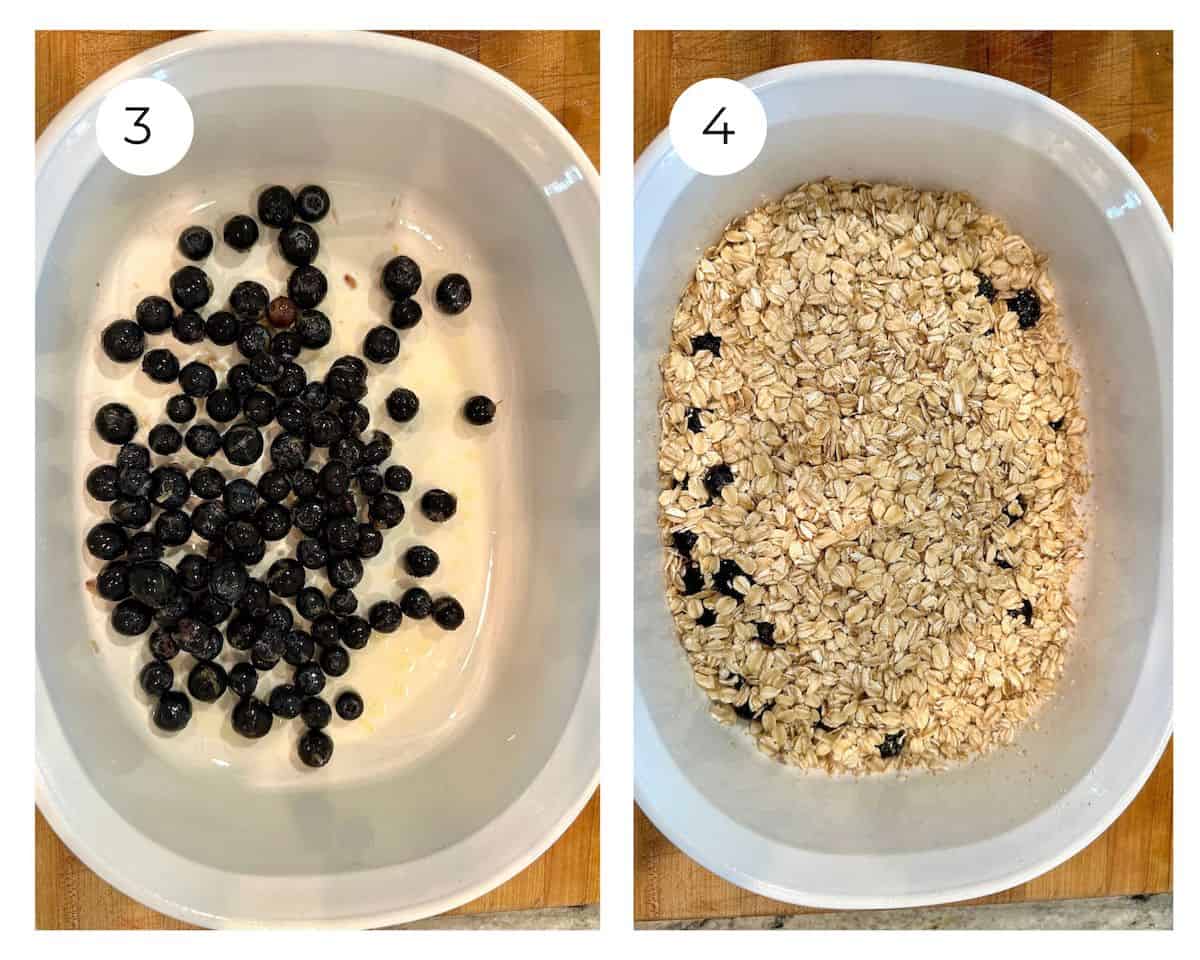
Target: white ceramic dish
473,764
886,842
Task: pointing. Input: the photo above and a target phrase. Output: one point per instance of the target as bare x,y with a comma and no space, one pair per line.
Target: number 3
138,125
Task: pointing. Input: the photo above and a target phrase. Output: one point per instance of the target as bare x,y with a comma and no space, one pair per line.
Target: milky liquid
418,682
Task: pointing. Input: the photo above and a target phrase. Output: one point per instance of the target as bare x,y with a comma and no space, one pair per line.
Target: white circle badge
718,126
145,127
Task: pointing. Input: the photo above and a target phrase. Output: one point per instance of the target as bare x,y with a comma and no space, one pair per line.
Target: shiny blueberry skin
115,423
276,206
309,679
453,294
398,478
312,203
315,713
102,483
349,705
299,244
243,679
335,661
385,616
479,411
420,561
416,603
164,440
405,314
402,405
156,677
401,278
191,288
106,541
197,379
112,583
448,613
315,748
285,701
195,242
160,365
123,341
314,329
307,286
381,345
173,711
252,718
438,505
249,300
154,314
207,681
241,232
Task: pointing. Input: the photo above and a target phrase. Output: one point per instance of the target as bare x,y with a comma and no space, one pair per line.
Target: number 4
138,125
724,133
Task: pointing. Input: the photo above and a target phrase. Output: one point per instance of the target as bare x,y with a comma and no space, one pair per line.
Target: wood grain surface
1120,82
561,69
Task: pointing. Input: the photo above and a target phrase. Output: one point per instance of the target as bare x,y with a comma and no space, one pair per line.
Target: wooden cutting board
562,70
1121,83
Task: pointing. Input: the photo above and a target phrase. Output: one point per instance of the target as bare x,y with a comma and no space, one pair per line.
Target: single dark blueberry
293,416
309,516
169,487
276,206
123,341
241,232
334,478
256,598
242,679
223,405
309,679
745,711
716,478
345,383
285,701
240,379
173,528
723,579
325,629
164,440
453,294
349,450
398,478
343,602
131,617
181,408
354,632
173,711
290,452
268,648
381,345
479,411
292,378
287,345
1025,612
307,286
251,555
693,579
324,428
115,423
355,418
228,581
312,554
209,520
285,577
194,571
349,705
252,341
335,661
103,483
163,645
208,483
401,278
892,744
438,505
693,420
112,583
274,485
376,449
706,619
280,617
315,748
249,300
345,572
188,327
154,314
985,288
134,481
385,511
420,561
314,395
298,648
259,408
310,602
203,439
143,546
170,613
304,482
369,481
156,677
683,541
385,616
416,603
241,498
370,542
299,244
197,379
314,329
448,613
312,203
207,681
191,288
242,632
132,455
1057,425
195,242
252,718
265,368
160,365
405,314
707,341
131,512
1027,307
273,521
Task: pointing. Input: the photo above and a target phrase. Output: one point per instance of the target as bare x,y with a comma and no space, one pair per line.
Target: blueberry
290,452
453,293
311,554
314,395
438,505
346,383
448,613
195,243
314,329
173,711
299,244
370,481
102,483
354,632
693,420
123,341
164,440
381,345
241,498
292,379
416,603
273,521
276,206
316,748
343,602
143,545
197,379
355,418
240,379
241,232
115,423
242,444
228,580
310,602
160,365
173,528
253,340
385,511
1027,307
370,542
265,367
133,455
131,617
309,679
420,561
892,744
134,481
188,327
242,679
274,486
706,619
401,278
405,314
249,300
285,701
335,661
209,520
194,571
255,599
398,478
683,541
154,314
267,650
349,450
309,516
241,536
285,577
707,341
203,439
985,288
169,487
766,633
716,478
112,583
727,572
479,411
242,632
693,579
207,681
307,286
385,616
377,449
222,405
349,705
156,677
132,512
298,648
252,718
259,408
1025,612
163,646
402,405
181,408
345,572
191,288
334,478
324,428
